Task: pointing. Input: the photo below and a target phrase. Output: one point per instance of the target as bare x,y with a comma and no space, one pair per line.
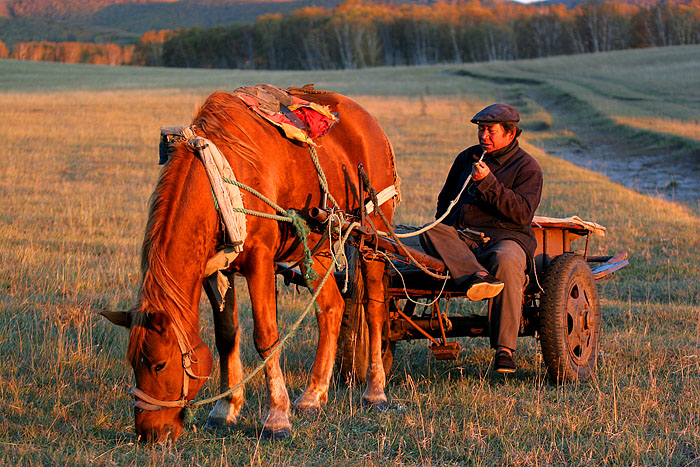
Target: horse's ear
159,322
120,318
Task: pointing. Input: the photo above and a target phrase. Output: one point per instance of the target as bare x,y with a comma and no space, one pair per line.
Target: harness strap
145,402
152,402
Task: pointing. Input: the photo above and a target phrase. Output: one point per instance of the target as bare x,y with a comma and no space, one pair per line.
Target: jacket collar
500,156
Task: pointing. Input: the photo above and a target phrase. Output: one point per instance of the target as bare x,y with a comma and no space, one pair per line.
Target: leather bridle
145,402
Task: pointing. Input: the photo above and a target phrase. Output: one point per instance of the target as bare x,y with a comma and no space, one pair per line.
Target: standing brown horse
167,354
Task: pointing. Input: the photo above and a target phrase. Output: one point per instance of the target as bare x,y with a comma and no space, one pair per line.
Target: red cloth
316,123
312,120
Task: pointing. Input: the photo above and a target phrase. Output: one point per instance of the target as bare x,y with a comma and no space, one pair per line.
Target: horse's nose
165,434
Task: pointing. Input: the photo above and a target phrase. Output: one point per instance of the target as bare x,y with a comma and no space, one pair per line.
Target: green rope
256,193
264,215
303,232
216,201
291,215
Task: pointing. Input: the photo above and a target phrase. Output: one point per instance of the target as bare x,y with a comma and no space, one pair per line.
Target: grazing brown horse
168,357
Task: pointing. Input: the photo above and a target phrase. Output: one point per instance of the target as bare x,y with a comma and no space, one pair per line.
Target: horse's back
360,135
282,168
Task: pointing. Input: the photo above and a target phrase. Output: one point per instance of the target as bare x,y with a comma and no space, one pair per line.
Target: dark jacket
501,205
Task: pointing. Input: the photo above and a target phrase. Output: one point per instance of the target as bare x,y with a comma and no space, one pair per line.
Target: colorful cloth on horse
298,119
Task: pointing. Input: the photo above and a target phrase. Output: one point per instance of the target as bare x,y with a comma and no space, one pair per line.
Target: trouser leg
507,261
444,242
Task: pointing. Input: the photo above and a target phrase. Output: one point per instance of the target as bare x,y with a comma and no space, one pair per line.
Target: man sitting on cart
500,199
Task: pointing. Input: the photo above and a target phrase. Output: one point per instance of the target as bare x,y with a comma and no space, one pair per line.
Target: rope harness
447,212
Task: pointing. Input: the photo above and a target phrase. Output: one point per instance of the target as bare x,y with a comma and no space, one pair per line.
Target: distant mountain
64,9
4,9
13,30
102,10
122,21
135,17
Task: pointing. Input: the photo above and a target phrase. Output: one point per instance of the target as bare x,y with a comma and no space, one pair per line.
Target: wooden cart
560,306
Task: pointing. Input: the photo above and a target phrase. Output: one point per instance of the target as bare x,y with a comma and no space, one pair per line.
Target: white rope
405,289
446,213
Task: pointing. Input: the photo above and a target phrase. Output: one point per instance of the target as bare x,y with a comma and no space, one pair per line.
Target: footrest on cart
449,351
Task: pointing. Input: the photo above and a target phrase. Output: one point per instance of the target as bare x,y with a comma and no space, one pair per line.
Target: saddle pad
299,120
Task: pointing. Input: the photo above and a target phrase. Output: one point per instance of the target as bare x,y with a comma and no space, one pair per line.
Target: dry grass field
79,161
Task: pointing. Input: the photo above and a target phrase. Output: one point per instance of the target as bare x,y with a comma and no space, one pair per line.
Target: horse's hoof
214,424
376,407
307,412
275,435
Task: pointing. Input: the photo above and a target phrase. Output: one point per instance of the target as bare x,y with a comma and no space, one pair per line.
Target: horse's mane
159,291
218,120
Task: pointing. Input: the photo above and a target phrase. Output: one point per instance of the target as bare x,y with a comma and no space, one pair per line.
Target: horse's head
169,367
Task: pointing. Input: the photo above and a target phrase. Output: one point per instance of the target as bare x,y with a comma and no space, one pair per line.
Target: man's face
493,137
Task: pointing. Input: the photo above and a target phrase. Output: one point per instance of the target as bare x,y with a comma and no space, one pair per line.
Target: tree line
70,52
358,34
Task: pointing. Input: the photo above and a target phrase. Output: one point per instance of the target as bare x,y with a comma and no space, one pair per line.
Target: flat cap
497,113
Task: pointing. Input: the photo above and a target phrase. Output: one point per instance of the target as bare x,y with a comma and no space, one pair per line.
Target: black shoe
504,362
483,287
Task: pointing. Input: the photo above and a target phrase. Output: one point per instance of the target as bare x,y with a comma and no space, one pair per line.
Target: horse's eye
159,367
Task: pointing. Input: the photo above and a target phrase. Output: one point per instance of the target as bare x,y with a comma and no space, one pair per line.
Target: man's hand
480,171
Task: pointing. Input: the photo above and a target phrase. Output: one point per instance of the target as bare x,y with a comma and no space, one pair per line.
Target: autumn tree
305,41
267,31
148,50
667,23
355,34
603,26
544,33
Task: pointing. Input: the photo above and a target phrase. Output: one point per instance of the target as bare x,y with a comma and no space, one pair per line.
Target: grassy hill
78,165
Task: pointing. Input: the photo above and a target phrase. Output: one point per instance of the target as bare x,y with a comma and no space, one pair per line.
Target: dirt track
665,167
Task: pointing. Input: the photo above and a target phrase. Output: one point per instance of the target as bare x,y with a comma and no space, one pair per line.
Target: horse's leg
227,334
331,304
374,396
261,285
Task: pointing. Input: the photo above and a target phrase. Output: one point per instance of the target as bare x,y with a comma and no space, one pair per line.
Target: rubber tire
569,319
352,357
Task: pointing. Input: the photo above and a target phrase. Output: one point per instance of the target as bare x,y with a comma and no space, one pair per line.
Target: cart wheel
569,319
352,356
